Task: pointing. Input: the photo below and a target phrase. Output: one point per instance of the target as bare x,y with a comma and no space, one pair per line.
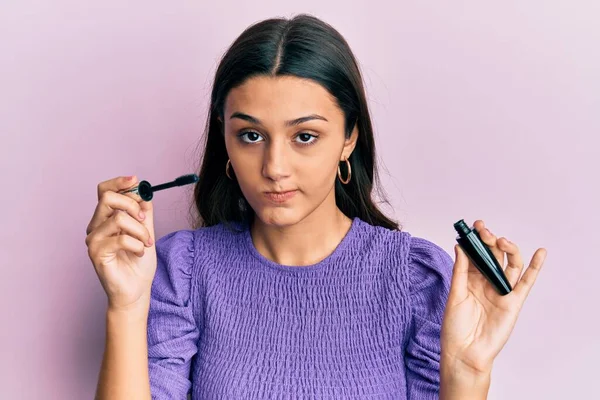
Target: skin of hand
120,240
477,320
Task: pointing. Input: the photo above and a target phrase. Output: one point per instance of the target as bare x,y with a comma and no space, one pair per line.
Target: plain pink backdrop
484,111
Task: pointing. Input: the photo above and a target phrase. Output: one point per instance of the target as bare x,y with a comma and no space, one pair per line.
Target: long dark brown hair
304,47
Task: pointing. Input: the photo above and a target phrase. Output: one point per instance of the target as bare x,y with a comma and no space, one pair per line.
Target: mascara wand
146,191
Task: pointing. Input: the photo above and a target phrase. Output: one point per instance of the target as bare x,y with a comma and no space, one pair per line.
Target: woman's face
285,139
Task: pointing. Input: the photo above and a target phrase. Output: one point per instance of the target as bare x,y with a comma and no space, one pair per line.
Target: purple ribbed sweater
227,323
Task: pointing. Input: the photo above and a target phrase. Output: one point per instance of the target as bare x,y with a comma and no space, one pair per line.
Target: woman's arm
461,383
124,371
120,240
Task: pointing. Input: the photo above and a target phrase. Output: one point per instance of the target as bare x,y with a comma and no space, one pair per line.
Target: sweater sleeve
172,330
430,272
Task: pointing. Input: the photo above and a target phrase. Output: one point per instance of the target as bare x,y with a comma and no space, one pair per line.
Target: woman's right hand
120,240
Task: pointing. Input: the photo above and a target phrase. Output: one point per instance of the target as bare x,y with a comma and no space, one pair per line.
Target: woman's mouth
280,197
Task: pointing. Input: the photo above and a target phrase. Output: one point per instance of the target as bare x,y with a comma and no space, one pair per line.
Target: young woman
295,285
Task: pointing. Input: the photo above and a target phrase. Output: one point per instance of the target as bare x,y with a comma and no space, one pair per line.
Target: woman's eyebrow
293,122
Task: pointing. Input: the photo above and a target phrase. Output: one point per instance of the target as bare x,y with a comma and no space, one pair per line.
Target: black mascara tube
482,257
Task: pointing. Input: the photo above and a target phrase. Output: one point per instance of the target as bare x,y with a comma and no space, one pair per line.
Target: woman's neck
305,243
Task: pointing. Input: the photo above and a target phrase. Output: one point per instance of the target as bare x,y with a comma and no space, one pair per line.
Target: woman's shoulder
423,268
424,251
187,244
418,254
197,236
429,266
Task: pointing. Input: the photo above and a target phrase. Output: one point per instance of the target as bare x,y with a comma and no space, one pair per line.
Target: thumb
148,222
460,274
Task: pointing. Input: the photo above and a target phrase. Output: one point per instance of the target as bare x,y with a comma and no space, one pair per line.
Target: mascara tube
482,257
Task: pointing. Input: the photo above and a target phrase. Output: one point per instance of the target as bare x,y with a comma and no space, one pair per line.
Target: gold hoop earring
227,169
345,182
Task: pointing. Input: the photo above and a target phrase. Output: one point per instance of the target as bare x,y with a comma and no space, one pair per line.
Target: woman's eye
306,138
250,137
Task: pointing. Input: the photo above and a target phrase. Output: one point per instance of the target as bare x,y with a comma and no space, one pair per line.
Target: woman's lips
280,197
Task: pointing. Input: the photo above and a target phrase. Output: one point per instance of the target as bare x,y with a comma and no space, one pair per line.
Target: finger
111,202
490,240
116,184
148,209
514,266
523,287
122,223
113,244
460,275
120,185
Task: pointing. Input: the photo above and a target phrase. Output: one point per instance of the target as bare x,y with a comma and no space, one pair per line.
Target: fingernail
128,178
150,241
142,215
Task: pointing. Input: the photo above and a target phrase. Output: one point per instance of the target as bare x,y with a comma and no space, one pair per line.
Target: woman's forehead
282,97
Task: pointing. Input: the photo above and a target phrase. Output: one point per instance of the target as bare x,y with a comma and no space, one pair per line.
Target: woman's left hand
477,320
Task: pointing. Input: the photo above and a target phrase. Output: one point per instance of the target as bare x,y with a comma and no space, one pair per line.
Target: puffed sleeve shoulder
172,329
430,272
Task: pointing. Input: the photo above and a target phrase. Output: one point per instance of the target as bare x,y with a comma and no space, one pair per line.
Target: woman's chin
279,217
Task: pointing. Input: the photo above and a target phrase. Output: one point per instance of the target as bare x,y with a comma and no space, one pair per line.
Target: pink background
484,111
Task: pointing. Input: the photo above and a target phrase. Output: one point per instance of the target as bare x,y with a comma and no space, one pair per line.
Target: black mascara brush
146,191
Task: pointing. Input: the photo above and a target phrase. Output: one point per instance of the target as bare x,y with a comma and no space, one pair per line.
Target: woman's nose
276,162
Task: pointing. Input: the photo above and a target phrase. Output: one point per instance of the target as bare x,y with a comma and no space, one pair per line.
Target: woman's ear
350,143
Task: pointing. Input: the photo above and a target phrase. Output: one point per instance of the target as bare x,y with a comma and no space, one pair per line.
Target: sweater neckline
302,268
